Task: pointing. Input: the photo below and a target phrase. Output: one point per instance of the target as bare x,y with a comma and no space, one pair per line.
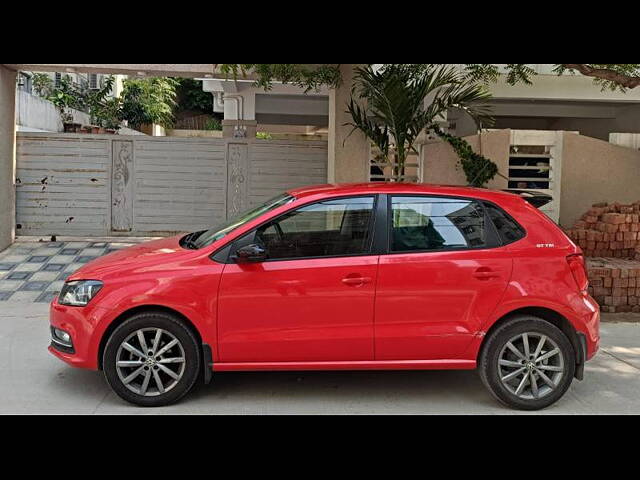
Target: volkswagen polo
376,276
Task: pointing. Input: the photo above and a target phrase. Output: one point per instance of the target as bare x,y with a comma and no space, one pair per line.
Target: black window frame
226,253
380,229
492,236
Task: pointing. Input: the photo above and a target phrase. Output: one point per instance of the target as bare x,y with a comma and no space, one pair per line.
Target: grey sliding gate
138,185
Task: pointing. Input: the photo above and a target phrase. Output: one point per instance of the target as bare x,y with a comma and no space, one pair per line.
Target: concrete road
33,381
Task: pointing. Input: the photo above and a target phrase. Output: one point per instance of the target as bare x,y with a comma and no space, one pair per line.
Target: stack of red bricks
609,236
609,231
615,284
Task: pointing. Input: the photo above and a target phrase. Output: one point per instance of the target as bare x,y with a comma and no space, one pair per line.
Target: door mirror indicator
251,253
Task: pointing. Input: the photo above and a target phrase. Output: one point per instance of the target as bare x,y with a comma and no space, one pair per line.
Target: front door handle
356,281
485,273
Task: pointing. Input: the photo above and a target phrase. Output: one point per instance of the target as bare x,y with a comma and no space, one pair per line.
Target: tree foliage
477,169
191,97
77,95
388,104
143,100
609,76
619,76
148,100
307,76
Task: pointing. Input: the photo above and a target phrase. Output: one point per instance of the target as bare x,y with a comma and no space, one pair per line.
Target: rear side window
508,229
434,223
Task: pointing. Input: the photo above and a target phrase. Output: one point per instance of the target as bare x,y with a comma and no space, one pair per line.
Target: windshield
207,237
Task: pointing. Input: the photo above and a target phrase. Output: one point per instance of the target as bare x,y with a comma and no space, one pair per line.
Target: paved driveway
33,381
33,271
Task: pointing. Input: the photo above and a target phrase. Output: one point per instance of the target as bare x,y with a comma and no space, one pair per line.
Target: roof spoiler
536,199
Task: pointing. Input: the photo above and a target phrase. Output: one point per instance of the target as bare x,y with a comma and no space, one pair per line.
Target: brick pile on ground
615,283
609,231
609,235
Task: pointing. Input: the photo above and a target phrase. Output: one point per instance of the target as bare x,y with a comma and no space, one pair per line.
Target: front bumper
83,324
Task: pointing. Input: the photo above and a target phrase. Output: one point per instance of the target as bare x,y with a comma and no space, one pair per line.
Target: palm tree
389,104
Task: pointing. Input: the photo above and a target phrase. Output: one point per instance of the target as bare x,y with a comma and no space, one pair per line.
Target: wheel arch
549,315
120,319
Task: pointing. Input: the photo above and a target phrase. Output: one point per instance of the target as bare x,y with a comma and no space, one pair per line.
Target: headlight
79,292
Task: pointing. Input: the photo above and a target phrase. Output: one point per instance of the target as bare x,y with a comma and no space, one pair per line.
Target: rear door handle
356,281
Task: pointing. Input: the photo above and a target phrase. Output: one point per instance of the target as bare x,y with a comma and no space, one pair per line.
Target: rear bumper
591,327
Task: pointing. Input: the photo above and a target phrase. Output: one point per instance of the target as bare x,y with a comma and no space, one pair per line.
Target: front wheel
527,363
152,359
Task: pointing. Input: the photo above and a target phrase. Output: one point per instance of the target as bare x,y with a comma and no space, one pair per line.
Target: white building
553,102
35,114
283,108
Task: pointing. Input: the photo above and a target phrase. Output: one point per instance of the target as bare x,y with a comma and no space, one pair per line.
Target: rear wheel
152,359
527,363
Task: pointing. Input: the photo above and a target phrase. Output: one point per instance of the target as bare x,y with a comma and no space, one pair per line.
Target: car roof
401,188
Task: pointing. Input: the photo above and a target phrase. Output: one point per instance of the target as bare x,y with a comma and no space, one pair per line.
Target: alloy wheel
531,365
150,361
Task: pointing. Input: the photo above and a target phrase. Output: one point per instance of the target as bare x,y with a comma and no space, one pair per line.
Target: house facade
564,102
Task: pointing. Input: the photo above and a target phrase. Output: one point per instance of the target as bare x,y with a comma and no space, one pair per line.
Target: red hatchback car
341,277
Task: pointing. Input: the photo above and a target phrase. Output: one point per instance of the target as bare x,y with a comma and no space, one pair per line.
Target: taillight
579,271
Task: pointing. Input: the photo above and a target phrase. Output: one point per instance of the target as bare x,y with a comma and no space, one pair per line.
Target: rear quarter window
508,229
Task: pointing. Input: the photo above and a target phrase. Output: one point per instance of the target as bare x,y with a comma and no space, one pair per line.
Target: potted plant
67,121
94,127
112,115
106,113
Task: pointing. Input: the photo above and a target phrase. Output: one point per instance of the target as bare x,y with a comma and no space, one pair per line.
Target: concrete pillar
348,154
7,156
239,113
237,101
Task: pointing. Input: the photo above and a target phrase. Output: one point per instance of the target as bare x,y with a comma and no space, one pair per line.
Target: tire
153,385
498,361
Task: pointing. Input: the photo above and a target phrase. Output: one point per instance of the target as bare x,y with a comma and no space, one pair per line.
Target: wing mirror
251,253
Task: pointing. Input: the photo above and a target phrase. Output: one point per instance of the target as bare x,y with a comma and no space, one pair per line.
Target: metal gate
133,185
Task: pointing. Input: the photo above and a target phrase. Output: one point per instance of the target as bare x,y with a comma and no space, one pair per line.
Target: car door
312,298
441,278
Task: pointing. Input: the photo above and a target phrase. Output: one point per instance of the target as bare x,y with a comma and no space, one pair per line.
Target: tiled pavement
35,271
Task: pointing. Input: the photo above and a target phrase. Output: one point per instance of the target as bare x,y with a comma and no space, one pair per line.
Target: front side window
330,228
433,223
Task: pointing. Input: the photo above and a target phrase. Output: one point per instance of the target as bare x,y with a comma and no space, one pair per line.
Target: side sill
350,365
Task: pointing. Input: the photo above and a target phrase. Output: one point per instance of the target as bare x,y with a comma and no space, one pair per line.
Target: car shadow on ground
310,392
347,392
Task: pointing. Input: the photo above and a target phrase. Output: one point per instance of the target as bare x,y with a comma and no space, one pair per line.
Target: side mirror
251,253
